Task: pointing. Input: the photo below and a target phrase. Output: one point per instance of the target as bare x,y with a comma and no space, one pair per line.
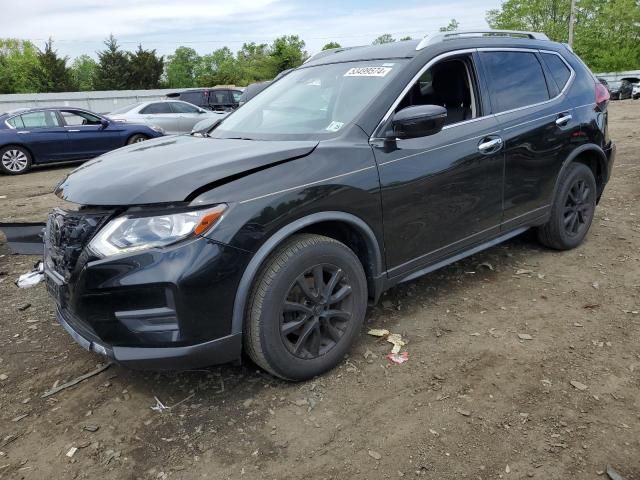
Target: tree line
607,38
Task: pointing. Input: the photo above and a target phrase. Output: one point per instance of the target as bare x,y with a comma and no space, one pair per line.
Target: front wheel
137,139
572,210
14,160
306,308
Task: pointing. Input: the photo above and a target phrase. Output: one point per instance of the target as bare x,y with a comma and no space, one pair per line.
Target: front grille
66,235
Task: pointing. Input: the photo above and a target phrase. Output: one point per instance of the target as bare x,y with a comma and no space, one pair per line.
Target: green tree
255,63
218,68
181,68
404,39
145,69
331,45
113,71
385,38
83,70
19,64
287,52
52,74
451,27
607,32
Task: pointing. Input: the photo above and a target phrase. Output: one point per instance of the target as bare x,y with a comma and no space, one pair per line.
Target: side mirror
418,121
104,122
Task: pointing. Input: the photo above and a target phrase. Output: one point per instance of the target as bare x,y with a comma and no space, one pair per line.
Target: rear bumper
610,153
221,350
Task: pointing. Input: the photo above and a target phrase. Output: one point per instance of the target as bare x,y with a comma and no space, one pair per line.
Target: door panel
440,193
42,134
86,141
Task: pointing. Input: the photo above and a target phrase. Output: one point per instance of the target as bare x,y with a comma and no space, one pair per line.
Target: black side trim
270,245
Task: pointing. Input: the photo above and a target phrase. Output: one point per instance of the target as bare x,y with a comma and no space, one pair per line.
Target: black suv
217,99
361,169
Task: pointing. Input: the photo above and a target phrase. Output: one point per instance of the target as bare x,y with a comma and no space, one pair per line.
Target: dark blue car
55,134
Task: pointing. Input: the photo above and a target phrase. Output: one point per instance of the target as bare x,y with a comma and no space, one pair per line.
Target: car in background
32,136
217,99
620,89
173,116
252,90
635,94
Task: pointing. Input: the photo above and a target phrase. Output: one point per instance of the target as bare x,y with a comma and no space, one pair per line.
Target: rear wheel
306,307
137,139
572,211
14,160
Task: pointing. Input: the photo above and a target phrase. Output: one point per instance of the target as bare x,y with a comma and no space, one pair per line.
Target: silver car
173,116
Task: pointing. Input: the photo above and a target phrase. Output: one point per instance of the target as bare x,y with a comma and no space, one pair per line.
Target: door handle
73,130
490,146
563,120
23,132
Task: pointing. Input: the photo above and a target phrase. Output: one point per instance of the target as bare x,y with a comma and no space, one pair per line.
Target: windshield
310,103
125,109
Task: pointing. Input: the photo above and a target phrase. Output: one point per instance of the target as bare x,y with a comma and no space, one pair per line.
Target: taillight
602,94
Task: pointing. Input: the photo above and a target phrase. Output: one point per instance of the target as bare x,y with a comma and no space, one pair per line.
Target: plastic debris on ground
398,358
396,340
32,278
612,474
378,332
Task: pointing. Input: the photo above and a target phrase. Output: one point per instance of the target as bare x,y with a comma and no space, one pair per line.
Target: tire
15,160
291,330
137,138
572,210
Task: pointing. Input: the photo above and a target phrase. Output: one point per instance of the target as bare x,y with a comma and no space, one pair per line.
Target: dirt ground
474,401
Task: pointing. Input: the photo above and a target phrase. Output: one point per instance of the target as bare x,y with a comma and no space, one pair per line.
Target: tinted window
191,97
515,79
559,70
218,97
184,108
75,118
156,108
236,95
38,120
16,122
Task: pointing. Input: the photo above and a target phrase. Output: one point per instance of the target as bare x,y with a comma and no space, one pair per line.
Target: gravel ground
523,362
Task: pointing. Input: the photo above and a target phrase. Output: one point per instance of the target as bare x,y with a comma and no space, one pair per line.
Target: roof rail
329,51
442,36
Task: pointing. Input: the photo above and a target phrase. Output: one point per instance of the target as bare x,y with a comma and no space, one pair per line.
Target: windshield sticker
334,126
368,72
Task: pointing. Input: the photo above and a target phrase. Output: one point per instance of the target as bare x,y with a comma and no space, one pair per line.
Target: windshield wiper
239,138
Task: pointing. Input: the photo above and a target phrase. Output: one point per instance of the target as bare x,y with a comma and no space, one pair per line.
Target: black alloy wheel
306,307
578,208
572,210
316,311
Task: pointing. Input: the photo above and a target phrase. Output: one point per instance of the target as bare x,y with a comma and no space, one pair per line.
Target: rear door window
157,109
559,70
192,97
515,79
43,119
179,107
219,97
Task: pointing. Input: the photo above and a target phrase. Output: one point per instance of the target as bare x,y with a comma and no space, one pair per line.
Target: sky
79,27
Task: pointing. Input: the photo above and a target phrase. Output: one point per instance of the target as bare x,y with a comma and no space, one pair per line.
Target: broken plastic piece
398,358
378,332
396,340
32,278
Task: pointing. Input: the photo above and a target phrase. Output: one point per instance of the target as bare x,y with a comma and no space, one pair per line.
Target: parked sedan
31,136
173,116
636,90
620,89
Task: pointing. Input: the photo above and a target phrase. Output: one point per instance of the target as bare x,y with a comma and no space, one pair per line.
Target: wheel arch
593,157
341,226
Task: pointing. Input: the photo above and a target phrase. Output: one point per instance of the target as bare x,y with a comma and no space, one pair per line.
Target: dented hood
169,169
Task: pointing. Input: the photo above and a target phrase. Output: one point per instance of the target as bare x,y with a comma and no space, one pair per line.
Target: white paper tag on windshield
334,126
368,72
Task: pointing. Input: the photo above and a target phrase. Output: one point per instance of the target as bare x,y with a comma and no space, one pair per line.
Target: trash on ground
523,271
464,413
612,474
525,336
486,265
75,381
159,406
578,385
378,332
72,451
375,455
32,278
396,340
398,358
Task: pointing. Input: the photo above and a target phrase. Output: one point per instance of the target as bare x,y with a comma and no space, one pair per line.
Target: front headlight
131,233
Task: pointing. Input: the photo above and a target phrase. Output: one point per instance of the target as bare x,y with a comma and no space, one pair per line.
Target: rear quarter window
559,70
515,79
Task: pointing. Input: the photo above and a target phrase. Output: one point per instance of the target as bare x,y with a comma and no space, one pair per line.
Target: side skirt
447,261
